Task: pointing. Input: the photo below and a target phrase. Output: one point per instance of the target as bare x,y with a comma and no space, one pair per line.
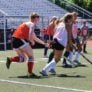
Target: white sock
70,56
73,51
50,65
77,55
61,60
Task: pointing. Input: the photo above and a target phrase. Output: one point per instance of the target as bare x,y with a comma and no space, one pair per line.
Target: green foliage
86,4
57,2
89,5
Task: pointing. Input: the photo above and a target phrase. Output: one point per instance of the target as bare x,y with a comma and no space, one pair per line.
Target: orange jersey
23,31
50,29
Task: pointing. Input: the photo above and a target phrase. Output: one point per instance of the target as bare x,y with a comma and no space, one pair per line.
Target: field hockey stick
83,55
86,58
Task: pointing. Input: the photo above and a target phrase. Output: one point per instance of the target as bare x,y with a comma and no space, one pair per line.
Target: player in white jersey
60,42
68,52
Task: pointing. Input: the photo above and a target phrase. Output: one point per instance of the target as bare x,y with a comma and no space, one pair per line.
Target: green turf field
15,80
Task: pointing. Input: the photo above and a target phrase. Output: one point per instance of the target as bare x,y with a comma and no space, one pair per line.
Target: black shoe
8,62
33,75
62,75
67,66
77,62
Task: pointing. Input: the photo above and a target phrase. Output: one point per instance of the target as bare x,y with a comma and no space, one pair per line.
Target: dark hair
67,17
34,15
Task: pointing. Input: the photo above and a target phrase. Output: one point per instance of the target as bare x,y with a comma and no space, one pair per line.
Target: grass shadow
26,77
81,65
70,76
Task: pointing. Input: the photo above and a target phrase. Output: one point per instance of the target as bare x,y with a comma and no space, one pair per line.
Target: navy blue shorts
48,37
56,45
17,43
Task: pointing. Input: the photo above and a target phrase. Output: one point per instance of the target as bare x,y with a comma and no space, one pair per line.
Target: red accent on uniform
30,67
15,59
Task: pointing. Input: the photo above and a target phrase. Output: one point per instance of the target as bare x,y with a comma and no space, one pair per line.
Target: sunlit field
78,79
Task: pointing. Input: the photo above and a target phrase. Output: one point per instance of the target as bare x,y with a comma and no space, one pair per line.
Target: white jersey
61,34
30,26
75,30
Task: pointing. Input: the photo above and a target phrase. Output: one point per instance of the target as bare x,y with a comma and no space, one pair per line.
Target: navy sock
66,54
51,56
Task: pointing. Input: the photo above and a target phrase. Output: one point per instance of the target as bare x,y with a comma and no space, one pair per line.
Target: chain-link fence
9,23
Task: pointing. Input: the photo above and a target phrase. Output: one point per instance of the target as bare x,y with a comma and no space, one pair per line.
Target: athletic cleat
52,71
77,62
67,66
8,62
44,73
33,75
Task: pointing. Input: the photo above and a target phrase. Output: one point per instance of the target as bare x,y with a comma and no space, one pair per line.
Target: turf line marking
46,60
45,86
2,61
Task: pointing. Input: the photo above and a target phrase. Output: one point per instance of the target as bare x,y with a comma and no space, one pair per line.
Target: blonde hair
74,13
53,18
63,18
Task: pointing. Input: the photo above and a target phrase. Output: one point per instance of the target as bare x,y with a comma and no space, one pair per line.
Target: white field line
46,59
36,60
2,61
45,86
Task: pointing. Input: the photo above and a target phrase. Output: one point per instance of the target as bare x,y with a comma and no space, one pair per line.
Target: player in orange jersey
49,33
21,38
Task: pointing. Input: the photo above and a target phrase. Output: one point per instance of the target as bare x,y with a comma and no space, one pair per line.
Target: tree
86,4
58,2
89,5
